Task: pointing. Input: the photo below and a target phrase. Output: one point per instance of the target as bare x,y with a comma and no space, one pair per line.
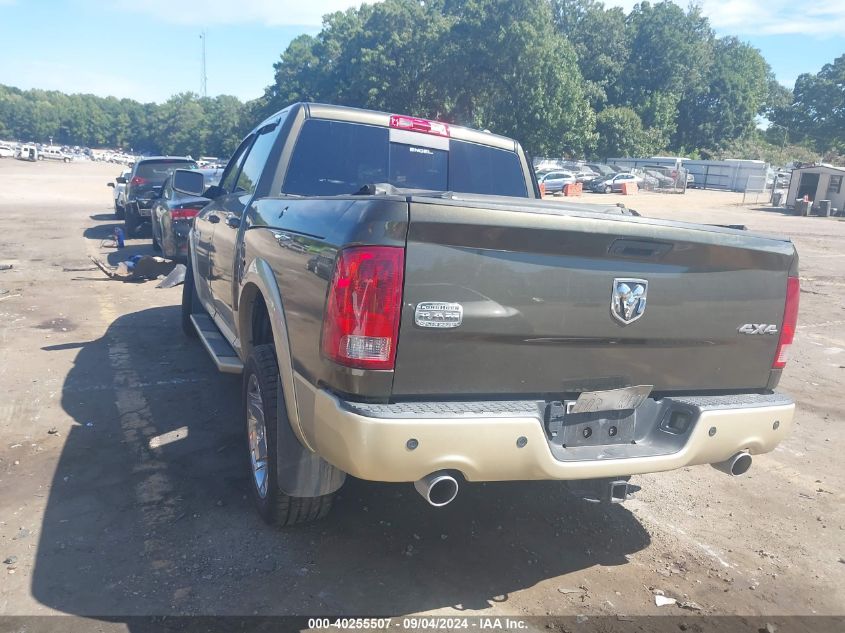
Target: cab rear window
160,169
335,158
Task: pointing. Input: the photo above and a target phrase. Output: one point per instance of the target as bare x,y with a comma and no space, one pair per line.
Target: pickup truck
404,308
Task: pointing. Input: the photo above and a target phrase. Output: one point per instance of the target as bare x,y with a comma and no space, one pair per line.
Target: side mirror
110,184
120,180
188,181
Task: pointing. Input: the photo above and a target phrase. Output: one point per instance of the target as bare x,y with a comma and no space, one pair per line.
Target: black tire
131,222
119,212
608,189
156,242
274,506
190,301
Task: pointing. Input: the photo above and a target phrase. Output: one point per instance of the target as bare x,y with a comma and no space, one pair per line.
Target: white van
28,152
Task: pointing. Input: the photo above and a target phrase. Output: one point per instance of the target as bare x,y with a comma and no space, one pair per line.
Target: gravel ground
93,521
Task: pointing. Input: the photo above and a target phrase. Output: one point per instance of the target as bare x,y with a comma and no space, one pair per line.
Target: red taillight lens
418,125
184,214
790,322
361,323
138,180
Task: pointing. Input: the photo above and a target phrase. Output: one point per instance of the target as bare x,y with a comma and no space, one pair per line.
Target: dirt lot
97,522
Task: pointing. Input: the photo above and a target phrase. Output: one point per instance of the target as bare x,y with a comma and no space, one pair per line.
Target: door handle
213,218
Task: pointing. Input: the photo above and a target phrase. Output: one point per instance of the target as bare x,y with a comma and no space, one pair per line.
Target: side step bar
216,345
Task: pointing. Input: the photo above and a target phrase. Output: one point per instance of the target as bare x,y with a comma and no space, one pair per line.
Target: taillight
361,323
186,213
414,124
138,180
790,322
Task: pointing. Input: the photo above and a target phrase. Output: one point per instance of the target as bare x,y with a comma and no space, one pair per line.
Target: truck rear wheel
261,393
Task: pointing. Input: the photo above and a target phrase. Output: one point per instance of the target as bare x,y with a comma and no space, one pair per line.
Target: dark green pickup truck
403,307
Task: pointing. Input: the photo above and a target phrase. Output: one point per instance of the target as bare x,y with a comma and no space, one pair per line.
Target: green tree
671,55
725,107
179,125
491,64
621,133
601,41
817,114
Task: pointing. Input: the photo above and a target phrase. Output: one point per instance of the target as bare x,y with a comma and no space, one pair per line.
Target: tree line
564,77
184,124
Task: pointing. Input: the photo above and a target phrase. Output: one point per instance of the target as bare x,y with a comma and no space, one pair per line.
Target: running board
216,345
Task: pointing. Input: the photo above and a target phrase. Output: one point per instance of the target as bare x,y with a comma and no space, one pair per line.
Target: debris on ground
137,268
22,533
663,601
10,560
66,269
690,605
6,266
176,277
566,591
53,431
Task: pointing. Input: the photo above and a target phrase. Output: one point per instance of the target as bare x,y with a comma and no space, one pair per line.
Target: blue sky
150,49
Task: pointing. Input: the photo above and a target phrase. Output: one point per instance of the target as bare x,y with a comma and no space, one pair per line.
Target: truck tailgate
536,288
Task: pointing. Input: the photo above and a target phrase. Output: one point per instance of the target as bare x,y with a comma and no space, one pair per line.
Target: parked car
555,181
144,185
7,151
602,170
171,217
55,153
585,175
119,192
614,183
456,299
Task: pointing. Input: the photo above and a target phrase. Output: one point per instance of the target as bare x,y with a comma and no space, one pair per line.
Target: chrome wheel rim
256,435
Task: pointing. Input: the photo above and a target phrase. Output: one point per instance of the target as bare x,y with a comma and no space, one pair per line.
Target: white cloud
222,12
818,18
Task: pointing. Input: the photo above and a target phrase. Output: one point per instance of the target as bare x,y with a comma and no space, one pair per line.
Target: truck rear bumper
496,441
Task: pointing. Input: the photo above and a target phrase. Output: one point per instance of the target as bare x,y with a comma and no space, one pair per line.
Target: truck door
208,219
229,211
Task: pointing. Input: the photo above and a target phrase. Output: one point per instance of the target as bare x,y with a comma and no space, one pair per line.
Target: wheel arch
301,471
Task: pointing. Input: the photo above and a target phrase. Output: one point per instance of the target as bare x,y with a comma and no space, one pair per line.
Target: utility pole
203,76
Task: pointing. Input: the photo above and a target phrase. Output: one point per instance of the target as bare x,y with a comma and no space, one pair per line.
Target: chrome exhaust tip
438,488
736,465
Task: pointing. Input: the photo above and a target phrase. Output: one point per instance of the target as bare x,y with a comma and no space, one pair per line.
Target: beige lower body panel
485,448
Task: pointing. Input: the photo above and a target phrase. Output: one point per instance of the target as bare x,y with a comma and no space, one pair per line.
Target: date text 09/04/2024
418,623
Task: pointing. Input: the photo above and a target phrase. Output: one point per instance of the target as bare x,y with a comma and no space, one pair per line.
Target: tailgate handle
639,248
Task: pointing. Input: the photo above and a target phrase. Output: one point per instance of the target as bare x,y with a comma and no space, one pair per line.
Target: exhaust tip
741,464
439,488
736,465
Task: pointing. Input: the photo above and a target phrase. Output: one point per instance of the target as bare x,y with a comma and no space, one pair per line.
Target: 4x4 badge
627,300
